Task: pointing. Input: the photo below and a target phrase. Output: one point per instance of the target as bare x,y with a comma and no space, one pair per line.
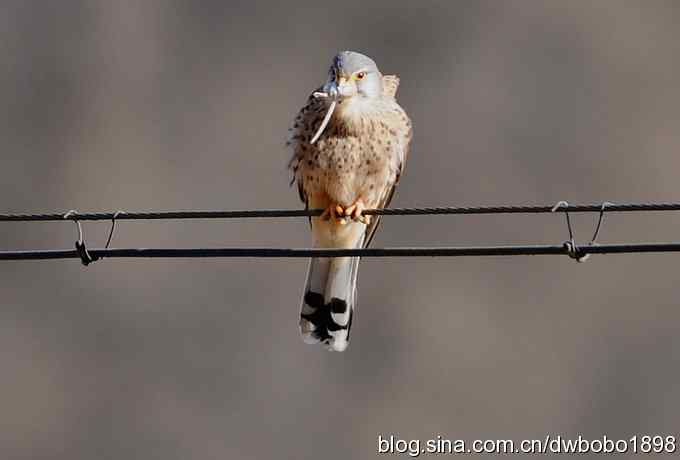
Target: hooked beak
339,88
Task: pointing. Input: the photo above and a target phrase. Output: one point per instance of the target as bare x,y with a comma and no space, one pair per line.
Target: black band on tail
322,319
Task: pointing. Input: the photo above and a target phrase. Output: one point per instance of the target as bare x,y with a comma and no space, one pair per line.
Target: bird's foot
335,213
355,212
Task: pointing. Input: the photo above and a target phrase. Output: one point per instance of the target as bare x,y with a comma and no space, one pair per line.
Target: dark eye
361,75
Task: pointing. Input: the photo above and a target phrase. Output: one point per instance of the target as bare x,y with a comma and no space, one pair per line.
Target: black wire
216,214
568,248
366,252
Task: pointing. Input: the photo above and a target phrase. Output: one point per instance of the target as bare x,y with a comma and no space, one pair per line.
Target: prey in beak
344,87
337,88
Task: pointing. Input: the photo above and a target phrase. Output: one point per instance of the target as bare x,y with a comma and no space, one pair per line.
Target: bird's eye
361,75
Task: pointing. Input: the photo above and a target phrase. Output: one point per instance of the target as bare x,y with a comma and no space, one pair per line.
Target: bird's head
354,85
353,75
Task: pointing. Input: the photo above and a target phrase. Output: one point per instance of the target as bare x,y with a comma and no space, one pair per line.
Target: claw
335,213
355,211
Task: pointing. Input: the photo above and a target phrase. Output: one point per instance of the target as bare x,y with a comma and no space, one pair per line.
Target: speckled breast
347,166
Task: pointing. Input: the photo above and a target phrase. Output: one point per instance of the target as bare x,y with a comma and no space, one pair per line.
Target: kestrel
350,142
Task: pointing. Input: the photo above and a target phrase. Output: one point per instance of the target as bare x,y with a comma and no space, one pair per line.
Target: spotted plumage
352,163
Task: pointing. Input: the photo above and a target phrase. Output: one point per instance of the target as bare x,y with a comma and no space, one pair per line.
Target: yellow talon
334,213
355,211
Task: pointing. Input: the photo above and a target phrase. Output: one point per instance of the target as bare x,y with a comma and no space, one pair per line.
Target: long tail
329,300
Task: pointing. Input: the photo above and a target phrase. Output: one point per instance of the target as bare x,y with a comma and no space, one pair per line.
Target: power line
570,247
270,213
564,249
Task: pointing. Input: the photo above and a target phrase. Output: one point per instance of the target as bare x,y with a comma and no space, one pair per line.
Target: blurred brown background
163,105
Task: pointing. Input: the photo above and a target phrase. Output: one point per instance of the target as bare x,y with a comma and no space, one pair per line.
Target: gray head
354,85
353,74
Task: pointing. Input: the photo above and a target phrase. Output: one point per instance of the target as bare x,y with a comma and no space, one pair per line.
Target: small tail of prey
329,299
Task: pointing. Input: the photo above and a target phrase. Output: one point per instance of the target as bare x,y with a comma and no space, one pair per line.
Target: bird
350,143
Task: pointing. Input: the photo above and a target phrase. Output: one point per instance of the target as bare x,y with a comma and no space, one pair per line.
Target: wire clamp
570,246
85,257
113,228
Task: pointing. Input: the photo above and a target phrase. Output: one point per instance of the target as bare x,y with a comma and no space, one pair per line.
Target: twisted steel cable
270,213
569,248
366,252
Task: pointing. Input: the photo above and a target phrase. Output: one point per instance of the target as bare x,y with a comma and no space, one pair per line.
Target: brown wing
405,133
300,133
375,220
390,85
